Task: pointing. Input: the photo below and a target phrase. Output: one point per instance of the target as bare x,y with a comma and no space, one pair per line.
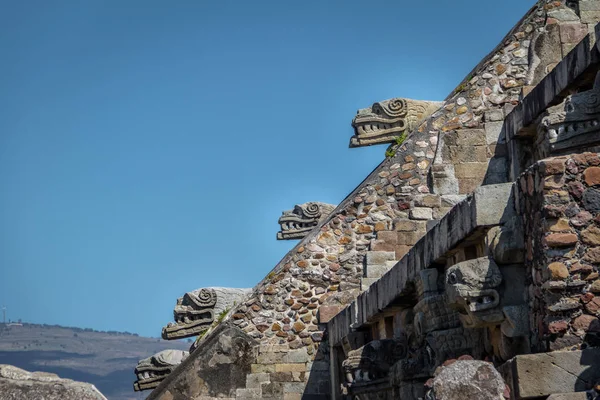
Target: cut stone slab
535,375
487,201
16,383
568,396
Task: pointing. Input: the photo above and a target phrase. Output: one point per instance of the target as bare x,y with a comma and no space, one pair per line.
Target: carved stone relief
152,370
572,124
388,119
436,334
475,289
296,223
196,311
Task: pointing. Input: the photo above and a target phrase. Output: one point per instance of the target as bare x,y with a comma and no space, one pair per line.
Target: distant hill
105,359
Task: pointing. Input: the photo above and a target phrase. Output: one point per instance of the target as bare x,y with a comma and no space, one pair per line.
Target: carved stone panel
373,360
571,125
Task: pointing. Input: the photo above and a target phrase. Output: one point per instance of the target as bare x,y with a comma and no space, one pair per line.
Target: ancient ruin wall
560,201
389,211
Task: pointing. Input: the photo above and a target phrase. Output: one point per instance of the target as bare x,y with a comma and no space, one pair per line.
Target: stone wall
560,201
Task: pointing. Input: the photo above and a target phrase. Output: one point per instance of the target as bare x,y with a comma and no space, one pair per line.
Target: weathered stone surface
568,396
487,201
468,379
16,383
534,375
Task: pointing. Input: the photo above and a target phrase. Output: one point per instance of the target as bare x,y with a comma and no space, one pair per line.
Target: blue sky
147,148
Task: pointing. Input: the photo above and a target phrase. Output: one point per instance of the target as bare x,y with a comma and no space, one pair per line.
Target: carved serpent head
296,223
471,289
152,370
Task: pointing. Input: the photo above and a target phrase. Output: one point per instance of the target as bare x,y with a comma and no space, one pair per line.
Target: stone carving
471,289
152,370
373,360
474,289
296,223
388,119
574,123
436,334
196,311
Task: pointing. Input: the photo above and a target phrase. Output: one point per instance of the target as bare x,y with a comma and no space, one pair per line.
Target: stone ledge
532,376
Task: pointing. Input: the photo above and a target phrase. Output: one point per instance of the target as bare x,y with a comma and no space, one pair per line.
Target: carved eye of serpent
206,297
396,107
312,210
376,108
452,278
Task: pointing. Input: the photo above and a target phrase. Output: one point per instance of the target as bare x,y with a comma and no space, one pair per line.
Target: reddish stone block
572,33
592,176
561,239
326,313
593,305
553,166
587,323
382,245
555,327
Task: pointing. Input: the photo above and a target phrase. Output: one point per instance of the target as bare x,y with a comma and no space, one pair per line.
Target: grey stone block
421,213
16,383
375,270
444,179
494,204
589,5
492,132
380,257
248,394
532,376
296,356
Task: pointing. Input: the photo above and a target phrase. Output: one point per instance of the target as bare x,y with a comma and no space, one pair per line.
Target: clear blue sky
148,147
